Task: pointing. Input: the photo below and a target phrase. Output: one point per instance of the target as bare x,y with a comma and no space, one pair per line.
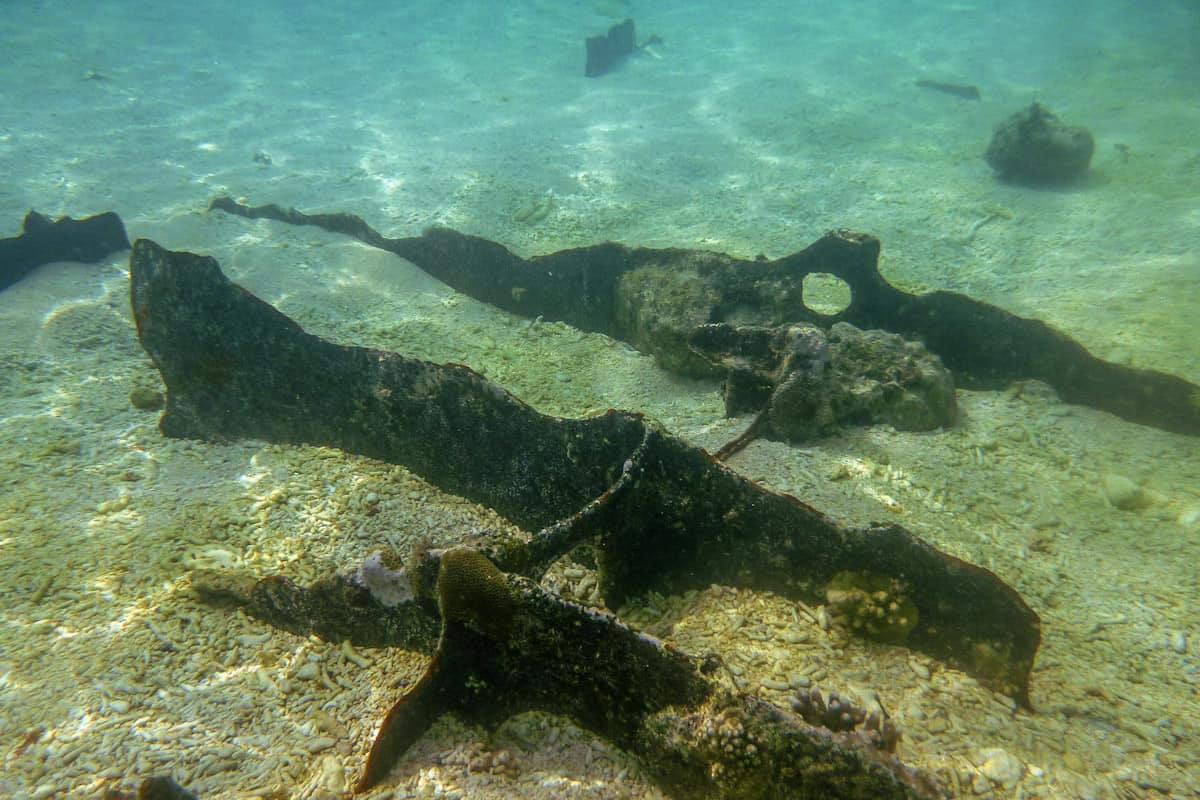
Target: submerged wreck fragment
667,515
618,291
664,516
508,646
607,52
43,241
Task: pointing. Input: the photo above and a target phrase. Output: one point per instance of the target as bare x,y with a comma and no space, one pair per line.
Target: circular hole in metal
825,294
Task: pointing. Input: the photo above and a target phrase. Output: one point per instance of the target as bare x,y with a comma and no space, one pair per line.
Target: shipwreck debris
508,646
44,241
666,515
606,52
600,288
964,91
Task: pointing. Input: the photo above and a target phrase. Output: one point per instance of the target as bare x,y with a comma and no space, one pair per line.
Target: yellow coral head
472,590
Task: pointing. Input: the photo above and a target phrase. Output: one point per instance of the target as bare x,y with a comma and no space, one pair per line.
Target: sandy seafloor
747,131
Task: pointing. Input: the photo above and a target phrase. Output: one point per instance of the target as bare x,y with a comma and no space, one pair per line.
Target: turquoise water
746,130
757,129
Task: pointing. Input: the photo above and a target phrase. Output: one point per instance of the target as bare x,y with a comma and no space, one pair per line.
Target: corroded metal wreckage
507,646
657,299
663,515
44,241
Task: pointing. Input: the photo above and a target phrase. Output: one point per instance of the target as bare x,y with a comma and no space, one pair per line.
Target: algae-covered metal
668,516
654,299
665,515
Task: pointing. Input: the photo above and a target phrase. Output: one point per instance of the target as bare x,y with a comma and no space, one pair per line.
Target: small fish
956,89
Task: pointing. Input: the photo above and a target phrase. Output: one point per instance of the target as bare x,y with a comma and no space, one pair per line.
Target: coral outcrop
1035,146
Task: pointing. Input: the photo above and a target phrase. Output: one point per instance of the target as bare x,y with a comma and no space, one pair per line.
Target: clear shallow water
748,130
753,129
